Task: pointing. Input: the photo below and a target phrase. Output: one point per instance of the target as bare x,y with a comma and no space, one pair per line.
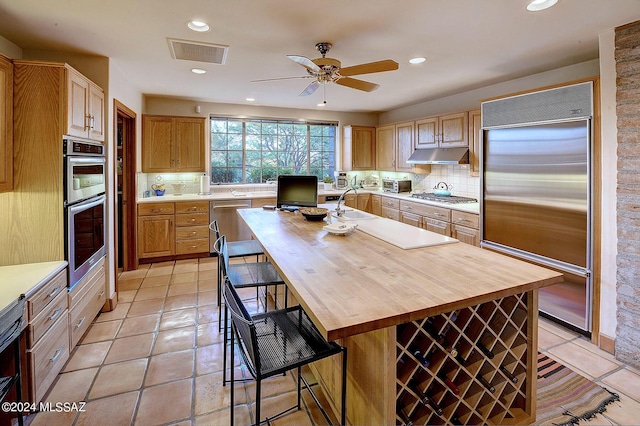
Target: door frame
129,250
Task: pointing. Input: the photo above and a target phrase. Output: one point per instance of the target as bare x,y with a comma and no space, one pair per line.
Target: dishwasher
229,223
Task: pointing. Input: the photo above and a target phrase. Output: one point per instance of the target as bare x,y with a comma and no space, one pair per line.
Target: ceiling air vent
197,51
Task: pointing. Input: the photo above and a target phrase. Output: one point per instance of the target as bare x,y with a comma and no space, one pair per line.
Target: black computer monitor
297,191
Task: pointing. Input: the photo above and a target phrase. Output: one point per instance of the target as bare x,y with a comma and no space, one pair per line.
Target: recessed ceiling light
321,104
250,99
198,71
418,60
198,26
538,5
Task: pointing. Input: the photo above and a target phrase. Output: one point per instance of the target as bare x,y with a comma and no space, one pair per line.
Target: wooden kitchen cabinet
192,227
475,142
358,148
446,131
364,202
48,335
6,124
351,200
404,146
173,144
386,148
85,107
465,227
156,230
271,201
410,219
85,300
376,204
390,208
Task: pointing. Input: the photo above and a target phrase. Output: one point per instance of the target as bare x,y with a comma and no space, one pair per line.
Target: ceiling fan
329,70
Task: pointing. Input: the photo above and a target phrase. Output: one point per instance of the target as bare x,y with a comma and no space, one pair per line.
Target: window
254,150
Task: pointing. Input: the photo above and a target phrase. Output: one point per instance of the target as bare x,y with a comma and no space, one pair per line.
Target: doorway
125,220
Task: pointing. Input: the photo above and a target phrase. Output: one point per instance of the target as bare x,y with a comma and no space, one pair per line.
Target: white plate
339,228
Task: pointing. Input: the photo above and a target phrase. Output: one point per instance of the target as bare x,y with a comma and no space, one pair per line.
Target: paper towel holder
204,185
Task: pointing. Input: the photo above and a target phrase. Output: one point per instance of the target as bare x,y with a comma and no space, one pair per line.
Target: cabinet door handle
408,207
81,322
56,355
92,122
101,294
55,314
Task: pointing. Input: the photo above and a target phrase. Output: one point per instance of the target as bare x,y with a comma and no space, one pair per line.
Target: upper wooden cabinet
172,144
358,148
386,147
446,131
85,115
404,146
475,140
6,124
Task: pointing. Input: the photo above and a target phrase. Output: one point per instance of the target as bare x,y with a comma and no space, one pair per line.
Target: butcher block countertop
358,283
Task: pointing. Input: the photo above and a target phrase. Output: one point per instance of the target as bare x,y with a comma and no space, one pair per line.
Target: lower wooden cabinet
47,335
86,299
364,202
376,204
168,229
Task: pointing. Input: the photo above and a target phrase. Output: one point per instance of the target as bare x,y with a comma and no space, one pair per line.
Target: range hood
440,156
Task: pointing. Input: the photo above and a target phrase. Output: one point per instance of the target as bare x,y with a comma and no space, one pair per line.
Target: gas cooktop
452,199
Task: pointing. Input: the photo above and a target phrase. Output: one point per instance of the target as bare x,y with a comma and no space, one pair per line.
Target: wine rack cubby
469,366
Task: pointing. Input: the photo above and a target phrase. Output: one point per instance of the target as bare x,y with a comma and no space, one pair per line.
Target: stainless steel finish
440,156
339,212
341,179
229,223
536,204
451,199
396,185
81,187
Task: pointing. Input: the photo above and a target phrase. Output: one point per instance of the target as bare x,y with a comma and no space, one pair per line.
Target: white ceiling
468,43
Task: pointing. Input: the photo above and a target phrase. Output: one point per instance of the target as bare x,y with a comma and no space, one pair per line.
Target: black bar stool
10,325
275,342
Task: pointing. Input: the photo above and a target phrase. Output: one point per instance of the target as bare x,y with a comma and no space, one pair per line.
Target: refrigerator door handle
536,258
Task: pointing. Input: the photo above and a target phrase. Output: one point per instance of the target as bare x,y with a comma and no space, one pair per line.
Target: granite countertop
25,279
215,196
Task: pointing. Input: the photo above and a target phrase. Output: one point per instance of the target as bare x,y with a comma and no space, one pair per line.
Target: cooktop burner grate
450,199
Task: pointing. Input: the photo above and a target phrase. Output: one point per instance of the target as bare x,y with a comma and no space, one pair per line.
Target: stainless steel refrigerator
536,191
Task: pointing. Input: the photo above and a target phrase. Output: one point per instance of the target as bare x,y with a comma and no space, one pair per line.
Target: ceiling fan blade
305,62
310,88
280,78
354,83
371,67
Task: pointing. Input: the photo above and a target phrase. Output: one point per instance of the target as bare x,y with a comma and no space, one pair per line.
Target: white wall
608,158
9,49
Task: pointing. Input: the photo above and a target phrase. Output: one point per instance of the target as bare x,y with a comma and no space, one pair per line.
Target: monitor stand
289,208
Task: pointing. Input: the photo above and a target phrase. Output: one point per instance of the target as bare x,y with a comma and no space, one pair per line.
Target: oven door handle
86,160
87,204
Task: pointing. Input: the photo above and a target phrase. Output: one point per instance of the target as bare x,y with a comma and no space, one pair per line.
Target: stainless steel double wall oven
85,205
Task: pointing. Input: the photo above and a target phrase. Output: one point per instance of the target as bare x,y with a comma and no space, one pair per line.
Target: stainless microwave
396,185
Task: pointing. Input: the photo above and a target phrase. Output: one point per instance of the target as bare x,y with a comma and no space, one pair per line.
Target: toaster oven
396,185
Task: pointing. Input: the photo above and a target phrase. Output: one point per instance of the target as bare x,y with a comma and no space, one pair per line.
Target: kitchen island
441,320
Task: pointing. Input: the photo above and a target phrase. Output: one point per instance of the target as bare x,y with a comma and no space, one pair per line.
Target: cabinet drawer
410,219
192,246
192,219
95,277
147,209
83,313
45,319
427,210
46,294
192,233
193,207
437,226
389,202
465,219
47,358
390,213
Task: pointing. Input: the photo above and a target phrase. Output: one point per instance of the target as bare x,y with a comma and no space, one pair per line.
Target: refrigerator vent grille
562,103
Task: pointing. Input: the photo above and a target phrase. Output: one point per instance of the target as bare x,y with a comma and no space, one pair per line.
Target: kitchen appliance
396,185
225,213
341,179
452,199
536,191
84,205
439,156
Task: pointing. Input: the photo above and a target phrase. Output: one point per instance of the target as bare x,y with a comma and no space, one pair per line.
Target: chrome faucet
340,212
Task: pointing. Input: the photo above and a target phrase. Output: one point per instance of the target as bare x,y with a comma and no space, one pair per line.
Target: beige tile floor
157,359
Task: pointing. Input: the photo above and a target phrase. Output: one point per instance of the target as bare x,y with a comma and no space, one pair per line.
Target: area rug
565,397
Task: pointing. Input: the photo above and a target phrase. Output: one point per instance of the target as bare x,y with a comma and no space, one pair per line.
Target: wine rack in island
469,366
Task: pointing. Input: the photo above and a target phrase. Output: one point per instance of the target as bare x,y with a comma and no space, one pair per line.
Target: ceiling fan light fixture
538,5
417,60
198,71
198,26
